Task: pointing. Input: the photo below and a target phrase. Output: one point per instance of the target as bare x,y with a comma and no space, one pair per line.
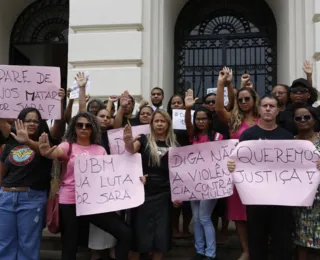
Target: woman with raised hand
244,115
82,137
25,181
124,114
201,131
151,222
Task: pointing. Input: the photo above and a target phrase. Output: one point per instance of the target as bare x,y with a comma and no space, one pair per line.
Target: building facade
136,45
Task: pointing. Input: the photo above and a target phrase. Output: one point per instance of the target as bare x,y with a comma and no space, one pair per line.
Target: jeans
21,224
204,233
71,232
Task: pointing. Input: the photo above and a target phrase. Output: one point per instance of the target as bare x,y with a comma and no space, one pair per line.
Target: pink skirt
236,210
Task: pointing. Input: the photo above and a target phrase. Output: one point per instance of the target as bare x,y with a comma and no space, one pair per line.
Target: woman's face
83,128
245,101
128,108
210,103
32,122
145,115
299,94
304,119
202,120
93,108
281,93
177,103
103,119
160,124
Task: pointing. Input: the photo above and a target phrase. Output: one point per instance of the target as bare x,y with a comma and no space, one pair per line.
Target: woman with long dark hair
82,137
25,181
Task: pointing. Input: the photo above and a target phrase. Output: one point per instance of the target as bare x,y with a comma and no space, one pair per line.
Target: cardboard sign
105,183
30,86
178,116
276,172
199,172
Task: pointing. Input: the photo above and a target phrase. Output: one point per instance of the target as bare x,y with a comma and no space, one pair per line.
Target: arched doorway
240,34
40,36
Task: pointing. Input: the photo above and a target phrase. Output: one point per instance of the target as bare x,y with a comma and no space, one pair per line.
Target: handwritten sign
225,94
178,116
29,86
74,94
115,136
105,183
273,172
199,172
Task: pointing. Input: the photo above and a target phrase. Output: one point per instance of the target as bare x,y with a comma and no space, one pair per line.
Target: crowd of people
32,153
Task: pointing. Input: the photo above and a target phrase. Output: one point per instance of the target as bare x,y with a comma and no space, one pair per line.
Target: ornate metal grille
44,21
225,40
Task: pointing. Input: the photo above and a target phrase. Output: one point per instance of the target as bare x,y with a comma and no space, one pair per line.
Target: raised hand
62,93
87,98
124,98
44,145
113,99
228,73
307,67
246,81
81,80
189,100
127,135
21,135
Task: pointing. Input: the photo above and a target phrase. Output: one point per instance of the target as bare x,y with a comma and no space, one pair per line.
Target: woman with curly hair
82,137
243,116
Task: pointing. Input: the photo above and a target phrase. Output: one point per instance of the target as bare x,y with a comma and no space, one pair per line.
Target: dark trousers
276,221
110,222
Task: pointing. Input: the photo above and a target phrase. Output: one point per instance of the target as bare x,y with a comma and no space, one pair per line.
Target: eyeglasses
35,122
201,119
208,102
80,125
244,100
299,89
304,117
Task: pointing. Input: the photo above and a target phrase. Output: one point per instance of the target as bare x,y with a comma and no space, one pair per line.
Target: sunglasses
298,89
208,102
244,100
80,125
304,117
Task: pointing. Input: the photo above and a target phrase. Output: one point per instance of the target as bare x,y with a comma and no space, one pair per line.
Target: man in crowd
157,96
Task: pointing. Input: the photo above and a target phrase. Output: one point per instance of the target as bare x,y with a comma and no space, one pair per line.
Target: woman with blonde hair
151,222
244,115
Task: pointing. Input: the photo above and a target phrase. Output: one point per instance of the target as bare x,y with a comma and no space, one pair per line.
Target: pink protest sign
116,138
199,172
276,172
105,183
29,86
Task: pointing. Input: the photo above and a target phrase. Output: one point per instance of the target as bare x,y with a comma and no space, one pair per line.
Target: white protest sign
225,94
199,172
276,172
178,121
30,86
115,137
74,94
108,183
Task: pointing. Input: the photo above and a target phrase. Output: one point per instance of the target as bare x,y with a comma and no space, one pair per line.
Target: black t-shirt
256,133
105,141
158,176
24,167
182,137
133,121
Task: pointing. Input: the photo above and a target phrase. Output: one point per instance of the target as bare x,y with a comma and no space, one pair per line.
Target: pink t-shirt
67,181
244,126
205,138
